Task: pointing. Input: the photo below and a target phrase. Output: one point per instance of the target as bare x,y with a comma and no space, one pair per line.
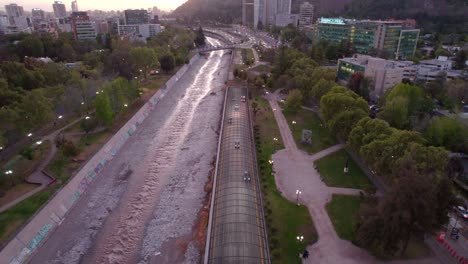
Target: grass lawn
284,219
342,211
305,119
331,169
15,217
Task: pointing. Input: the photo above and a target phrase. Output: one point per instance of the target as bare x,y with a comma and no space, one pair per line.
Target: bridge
208,48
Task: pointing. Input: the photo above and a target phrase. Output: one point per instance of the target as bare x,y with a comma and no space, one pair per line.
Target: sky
84,5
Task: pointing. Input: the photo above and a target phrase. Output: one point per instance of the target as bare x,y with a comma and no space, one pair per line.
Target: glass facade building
390,37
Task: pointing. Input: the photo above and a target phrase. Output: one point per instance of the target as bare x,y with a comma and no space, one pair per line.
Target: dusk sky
97,4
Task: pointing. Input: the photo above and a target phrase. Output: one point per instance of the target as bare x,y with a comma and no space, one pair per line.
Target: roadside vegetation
285,220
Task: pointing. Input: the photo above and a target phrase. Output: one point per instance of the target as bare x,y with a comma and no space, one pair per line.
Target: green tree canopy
167,62
340,99
104,111
395,112
320,88
294,101
447,132
144,58
366,131
417,99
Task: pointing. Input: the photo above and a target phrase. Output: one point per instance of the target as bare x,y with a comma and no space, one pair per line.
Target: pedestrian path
38,176
294,170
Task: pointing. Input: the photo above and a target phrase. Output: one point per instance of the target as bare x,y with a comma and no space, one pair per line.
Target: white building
306,16
141,32
74,6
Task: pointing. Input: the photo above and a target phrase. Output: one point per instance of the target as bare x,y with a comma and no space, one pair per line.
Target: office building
136,17
14,10
282,20
59,9
284,7
37,14
382,74
83,29
306,16
74,6
392,37
141,32
248,13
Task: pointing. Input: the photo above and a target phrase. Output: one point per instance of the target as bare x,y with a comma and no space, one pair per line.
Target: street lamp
30,134
125,105
39,142
87,117
270,161
297,197
300,238
346,168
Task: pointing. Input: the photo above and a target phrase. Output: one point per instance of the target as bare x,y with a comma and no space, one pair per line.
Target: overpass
208,48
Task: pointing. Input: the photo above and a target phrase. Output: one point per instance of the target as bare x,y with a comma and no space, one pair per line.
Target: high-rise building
284,7
82,27
60,10
389,38
306,16
248,12
37,14
74,6
136,17
14,10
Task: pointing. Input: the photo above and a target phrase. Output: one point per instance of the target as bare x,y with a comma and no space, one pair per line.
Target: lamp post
346,167
9,172
297,196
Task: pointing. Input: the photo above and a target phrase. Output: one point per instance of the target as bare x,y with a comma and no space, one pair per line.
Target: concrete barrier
36,231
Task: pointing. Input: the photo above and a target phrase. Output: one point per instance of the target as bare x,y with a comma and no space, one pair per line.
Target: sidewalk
38,177
294,170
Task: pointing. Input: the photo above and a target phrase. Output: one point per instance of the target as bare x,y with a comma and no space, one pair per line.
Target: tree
68,54
104,111
457,91
340,99
31,46
417,99
354,82
395,112
460,59
294,101
342,124
381,154
167,62
321,88
407,210
447,132
35,109
200,37
144,59
366,131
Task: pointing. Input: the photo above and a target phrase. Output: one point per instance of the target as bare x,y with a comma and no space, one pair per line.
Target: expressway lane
238,232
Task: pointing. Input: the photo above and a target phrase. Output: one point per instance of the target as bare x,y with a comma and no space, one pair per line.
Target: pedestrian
305,254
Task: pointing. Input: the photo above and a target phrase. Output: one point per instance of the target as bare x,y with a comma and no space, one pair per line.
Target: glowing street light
97,92
297,197
125,105
82,103
293,122
87,117
60,117
30,134
300,238
39,142
270,161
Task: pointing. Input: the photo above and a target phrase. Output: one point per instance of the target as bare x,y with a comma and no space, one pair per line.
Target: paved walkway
294,170
38,176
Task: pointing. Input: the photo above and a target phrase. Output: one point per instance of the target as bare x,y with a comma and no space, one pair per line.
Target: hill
229,11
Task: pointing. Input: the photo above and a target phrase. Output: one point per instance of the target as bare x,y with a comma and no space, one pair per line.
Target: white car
461,211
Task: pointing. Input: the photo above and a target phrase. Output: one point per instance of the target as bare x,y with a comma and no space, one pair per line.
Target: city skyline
46,5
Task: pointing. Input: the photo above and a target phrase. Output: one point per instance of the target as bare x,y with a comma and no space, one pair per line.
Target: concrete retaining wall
55,210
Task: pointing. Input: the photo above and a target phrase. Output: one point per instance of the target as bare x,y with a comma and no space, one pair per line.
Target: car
243,98
236,107
230,120
461,211
247,176
237,144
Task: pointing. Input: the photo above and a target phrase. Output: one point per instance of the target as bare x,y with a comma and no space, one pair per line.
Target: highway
237,227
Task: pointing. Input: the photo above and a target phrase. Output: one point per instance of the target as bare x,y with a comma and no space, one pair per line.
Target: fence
36,231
